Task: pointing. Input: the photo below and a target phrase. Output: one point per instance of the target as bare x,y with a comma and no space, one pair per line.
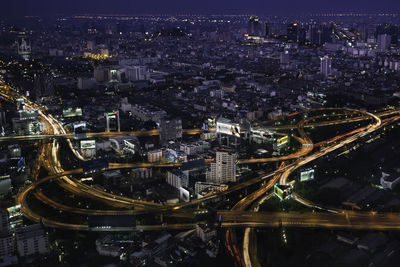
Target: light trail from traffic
352,219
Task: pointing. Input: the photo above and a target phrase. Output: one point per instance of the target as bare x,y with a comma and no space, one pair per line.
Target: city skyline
200,140
285,7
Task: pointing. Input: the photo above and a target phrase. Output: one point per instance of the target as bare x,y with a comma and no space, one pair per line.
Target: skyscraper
384,41
24,46
254,26
326,66
292,31
319,34
301,35
391,30
265,29
223,170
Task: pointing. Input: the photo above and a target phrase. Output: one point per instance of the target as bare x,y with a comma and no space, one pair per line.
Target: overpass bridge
92,135
242,219
343,220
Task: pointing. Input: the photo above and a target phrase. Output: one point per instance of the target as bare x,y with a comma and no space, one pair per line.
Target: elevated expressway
248,200
337,218
90,192
168,207
351,220
91,135
86,190
363,117
237,217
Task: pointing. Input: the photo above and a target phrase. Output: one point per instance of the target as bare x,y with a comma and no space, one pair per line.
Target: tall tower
24,46
384,41
264,29
292,31
254,27
326,66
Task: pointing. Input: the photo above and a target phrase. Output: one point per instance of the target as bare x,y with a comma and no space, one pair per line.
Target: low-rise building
31,240
125,144
154,155
193,148
147,113
7,244
142,173
372,241
107,247
170,129
205,233
201,186
389,180
178,178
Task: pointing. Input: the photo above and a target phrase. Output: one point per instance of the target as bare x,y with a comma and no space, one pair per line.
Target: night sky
262,7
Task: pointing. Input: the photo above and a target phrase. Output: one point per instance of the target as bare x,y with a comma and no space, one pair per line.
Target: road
238,217
230,236
348,220
117,201
283,179
91,135
192,131
386,112
84,190
238,187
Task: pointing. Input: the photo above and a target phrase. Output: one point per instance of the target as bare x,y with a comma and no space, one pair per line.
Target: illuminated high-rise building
254,26
319,34
24,46
384,41
326,66
388,29
292,31
264,29
223,170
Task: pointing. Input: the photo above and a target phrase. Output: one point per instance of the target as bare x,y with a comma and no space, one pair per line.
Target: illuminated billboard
14,211
111,115
211,122
282,191
25,114
278,192
88,144
20,164
283,140
69,113
228,128
307,175
81,124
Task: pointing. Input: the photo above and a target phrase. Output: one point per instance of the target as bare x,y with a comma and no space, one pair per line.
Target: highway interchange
237,217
